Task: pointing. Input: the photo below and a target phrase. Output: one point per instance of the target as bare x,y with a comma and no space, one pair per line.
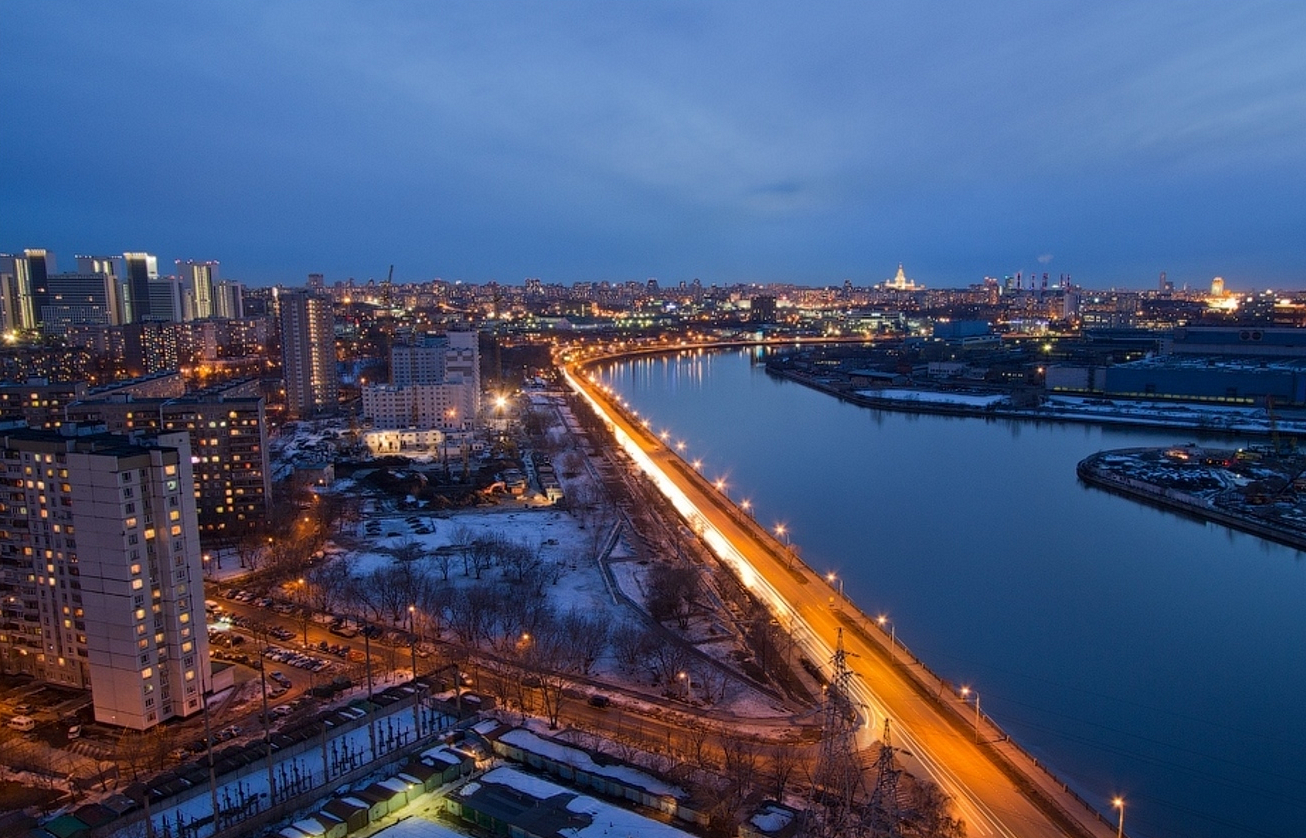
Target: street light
689,683
1119,803
747,506
832,578
965,691
883,620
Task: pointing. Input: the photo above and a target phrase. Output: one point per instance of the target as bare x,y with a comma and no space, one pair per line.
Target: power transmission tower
886,818
838,774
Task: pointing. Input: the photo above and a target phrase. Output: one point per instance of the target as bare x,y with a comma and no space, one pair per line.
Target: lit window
147,672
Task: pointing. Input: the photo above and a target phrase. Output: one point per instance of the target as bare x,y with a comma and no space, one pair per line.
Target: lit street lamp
965,691
747,506
1119,803
832,578
883,620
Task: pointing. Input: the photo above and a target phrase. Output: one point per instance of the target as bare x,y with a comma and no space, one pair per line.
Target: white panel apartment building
100,571
435,382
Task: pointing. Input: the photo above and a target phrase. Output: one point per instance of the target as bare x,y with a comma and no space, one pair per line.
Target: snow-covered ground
346,750
935,397
563,547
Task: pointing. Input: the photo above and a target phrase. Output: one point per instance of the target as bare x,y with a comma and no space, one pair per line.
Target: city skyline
591,142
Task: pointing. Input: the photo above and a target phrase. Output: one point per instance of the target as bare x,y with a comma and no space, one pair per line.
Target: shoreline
1092,473
1242,427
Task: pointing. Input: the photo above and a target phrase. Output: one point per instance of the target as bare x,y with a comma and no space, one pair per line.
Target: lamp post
783,532
1119,803
689,683
747,506
883,620
832,578
412,651
965,691
721,487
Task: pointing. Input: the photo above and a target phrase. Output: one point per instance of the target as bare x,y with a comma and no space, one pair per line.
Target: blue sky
733,142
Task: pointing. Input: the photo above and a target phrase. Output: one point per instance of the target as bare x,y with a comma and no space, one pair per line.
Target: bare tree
586,635
327,584
673,592
521,560
461,540
631,645
782,761
442,559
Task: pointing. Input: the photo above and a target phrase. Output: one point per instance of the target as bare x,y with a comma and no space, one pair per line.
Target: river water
1135,651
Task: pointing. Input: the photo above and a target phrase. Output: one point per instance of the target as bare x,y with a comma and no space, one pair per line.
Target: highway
997,789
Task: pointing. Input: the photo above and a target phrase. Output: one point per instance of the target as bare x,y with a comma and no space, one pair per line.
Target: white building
435,382
422,406
100,571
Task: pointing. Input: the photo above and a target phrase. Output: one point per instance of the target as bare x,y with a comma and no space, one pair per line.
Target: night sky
733,142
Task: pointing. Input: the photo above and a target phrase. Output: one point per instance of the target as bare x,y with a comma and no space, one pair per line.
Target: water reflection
1135,650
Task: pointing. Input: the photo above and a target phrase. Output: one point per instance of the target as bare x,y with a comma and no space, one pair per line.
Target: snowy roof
604,818
581,760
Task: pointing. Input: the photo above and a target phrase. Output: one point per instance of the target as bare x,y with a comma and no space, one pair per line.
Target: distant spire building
900,282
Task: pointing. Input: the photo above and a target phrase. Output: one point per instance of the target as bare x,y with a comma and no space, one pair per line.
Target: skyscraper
80,299
115,267
100,571
141,268
24,286
308,354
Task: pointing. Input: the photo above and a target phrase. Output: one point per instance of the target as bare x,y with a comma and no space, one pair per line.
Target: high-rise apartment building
199,280
228,442
166,300
100,571
228,300
308,354
435,382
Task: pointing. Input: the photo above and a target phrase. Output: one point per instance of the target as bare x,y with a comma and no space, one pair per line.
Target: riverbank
1264,504
1200,418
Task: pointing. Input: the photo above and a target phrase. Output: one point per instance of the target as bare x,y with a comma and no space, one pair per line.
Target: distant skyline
730,142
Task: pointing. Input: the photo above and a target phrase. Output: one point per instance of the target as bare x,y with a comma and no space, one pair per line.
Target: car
599,701
74,731
23,709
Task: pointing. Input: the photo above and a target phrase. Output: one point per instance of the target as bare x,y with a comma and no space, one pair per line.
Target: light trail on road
986,797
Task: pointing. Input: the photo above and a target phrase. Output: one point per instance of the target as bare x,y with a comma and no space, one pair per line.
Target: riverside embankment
1272,518
998,787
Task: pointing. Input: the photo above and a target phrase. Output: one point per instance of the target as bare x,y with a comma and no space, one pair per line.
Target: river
1135,651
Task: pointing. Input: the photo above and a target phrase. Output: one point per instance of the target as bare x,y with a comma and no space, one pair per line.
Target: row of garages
353,812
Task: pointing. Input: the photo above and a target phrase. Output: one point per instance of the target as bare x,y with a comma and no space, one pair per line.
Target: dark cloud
731,141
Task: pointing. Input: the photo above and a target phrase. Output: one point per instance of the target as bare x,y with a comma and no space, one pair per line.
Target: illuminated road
997,788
